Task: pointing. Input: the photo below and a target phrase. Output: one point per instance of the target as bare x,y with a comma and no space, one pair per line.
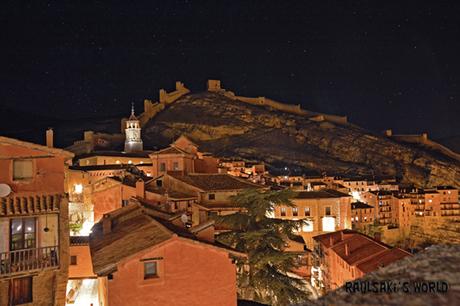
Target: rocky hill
230,128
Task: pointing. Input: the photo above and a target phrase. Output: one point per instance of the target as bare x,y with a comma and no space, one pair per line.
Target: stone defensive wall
151,108
215,86
423,140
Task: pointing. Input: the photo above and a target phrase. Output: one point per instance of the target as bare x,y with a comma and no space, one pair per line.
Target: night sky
390,65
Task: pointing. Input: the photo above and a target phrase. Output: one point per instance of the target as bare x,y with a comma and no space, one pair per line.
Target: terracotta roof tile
210,182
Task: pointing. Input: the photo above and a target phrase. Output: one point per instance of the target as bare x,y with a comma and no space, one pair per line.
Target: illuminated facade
133,141
34,243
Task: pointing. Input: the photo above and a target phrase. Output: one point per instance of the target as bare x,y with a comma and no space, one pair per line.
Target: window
162,167
175,166
327,211
73,260
211,196
159,183
21,290
150,269
22,234
283,211
124,203
22,169
307,211
295,211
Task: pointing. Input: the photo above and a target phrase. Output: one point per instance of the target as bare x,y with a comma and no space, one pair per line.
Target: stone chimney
389,133
347,250
106,225
49,138
140,188
88,136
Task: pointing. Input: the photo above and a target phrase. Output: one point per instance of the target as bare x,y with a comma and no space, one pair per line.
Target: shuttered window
22,169
21,291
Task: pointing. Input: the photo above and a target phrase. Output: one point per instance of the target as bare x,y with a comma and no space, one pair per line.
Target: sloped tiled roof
210,182
325,193
360,205
134,228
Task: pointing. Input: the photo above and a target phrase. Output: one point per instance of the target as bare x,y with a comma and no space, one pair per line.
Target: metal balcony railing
28,260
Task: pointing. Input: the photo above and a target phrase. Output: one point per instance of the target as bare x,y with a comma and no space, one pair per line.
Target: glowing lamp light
130,162
356,195
308,226
328,224
78,188
86,228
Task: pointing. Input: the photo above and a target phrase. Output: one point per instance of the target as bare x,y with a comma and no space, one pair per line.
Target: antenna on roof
132,108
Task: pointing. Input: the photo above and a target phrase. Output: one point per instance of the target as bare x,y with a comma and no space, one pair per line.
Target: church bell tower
133,141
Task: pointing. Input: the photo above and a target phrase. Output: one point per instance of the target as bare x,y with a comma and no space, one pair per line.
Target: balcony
30,204
28,260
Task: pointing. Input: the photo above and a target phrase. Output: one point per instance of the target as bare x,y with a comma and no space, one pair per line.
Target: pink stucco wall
190,274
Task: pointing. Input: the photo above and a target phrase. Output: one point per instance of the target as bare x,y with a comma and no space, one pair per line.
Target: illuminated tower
133,141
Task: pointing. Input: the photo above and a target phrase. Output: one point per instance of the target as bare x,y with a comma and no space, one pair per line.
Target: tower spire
132,108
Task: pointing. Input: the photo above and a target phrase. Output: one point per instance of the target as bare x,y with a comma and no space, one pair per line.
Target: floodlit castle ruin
151,108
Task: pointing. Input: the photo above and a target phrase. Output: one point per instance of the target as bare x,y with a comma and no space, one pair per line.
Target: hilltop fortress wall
152,108
215,86
424,141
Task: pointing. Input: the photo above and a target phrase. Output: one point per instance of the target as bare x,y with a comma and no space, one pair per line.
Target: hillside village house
145,257
325,210
347,255
34,249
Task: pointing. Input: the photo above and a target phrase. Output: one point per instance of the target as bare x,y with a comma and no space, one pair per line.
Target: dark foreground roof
437,263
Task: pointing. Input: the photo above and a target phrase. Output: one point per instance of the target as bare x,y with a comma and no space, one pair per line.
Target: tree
267,276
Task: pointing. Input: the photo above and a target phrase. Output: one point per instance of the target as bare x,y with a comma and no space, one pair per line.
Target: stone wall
215,86
151,108
424,141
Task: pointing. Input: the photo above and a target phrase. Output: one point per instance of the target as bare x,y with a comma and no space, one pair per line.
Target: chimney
389,133
347,251
106,225
140,189
88,136
49,138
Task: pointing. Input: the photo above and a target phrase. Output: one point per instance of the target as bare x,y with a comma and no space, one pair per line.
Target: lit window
117,162
78,188
22,234
141,162
307,226
307,211
130,162
327,211
328,224
283,211
22,169
150,270
295,211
